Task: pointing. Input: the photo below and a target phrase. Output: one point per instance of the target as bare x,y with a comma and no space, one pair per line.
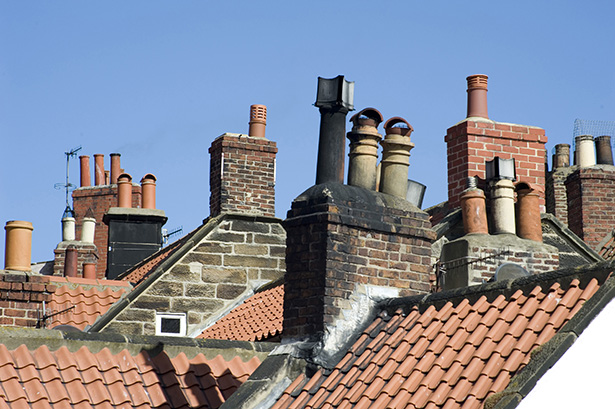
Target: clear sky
157,81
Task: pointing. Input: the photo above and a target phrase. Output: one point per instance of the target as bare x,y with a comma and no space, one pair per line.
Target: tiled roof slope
42,378
258,318
606,248
446,351
79,301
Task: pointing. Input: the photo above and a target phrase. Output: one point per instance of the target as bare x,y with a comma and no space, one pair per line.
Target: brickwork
591,193
472,142
556,197
86,252
237,255
99,199
21,298
242,176
342,239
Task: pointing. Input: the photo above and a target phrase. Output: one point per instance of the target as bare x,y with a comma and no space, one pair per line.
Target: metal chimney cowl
335,92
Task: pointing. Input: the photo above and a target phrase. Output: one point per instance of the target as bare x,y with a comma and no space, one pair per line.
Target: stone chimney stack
477,139
242,171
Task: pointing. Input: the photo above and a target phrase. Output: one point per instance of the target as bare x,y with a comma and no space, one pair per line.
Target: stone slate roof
258,318
606,248
78,302
54,371
455,349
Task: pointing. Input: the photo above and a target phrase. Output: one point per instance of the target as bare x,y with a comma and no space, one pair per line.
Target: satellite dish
510,271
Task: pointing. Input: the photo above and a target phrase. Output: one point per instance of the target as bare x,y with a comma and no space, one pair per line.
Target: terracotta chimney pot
84,164
258,121
18,245
529,225
477,96
70,262
473,209
89,270
124,196
116,171
99,169
148,191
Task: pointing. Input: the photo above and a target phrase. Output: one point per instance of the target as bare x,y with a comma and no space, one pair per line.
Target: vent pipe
70,262
124,194
334,100
363,156
561,158
68,229
473,209
84,164
115,168
396,147
477,96
18,245
604,152
148,191
99,169
585,154
529,225
258,121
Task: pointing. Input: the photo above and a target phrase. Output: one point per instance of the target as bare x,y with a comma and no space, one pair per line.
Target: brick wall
99,199
556,197
344,239
591,193
242,175
21,298
472,142
238,254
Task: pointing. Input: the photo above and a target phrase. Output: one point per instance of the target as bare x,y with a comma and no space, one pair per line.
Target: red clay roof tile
452,356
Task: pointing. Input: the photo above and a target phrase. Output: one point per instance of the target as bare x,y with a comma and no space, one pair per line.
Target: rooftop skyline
158,82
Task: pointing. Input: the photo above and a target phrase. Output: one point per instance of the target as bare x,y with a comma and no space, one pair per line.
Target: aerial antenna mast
69,187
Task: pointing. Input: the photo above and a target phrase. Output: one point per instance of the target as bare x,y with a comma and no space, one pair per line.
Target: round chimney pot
604,152
115,168
561,158
367,117
477,96
473,211
99,169
124,194
89,270
148,191
258,120
84,164
529,225
18,245
585,151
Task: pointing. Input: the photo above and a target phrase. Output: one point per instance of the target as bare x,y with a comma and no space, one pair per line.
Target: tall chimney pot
70,262
529,225
561,158
68,229
585,153
148,191
473,209
477,96
124,194
87,229
84,164
396,147
258,121
363,155
18,245
503,206
99,169
604,152
115,168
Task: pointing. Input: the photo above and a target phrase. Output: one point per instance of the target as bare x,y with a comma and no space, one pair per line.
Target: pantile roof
79,301
70,377
258,318
140,271
445,351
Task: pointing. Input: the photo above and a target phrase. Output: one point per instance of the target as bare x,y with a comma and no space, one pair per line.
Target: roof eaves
544,357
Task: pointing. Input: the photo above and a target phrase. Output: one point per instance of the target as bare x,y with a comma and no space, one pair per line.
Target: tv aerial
69,187
167,234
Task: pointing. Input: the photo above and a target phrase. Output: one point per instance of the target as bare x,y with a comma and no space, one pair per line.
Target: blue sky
158,81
